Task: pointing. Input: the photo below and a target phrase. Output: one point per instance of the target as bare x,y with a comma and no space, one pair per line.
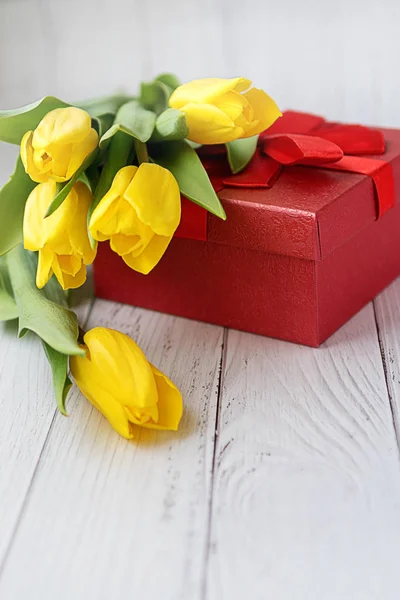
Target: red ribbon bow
298,139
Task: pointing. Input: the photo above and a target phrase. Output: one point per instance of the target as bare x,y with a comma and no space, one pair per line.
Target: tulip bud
139,215
59,145
116,377
61,239
220,110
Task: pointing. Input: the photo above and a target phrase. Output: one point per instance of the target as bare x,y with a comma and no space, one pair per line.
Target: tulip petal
67,280
44,269
100,225
43,163
143,415
122,179
232,104
81,151
103,221
27,157
210,125
104,402
115,414
62,126
149,257
117,357
69,263
124,244
155,196
26,149
170,404
266,111
59,224
243,84
35,209
206,90
78,234
60,156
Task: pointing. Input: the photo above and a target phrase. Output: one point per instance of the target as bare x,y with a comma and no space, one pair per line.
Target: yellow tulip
62,238
221,110
59,145
139,215
116,377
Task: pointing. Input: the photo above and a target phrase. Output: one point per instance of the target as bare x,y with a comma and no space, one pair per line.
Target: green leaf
116,158
43,311
61,381
8,307
194,145
154,96
67,187
91,177
86,180
15,123
169,79
170,125
240,152
192,178
102,123
97,107
13,196
134,120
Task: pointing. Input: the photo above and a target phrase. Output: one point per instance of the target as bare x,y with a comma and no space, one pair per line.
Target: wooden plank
307,487
27,409
106,517
387,312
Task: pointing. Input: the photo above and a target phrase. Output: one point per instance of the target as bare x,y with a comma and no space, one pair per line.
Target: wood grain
27,409
387,312
106,517
307,484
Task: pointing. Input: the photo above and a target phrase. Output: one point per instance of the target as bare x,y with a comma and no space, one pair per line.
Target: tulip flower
59,145
221,110
62,238
139,215
116,377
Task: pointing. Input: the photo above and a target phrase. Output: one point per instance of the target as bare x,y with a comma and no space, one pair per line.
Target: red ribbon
297,139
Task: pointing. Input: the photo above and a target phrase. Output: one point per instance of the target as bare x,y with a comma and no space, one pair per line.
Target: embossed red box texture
293,262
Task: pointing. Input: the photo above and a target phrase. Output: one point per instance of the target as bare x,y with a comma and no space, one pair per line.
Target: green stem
141,152
116,158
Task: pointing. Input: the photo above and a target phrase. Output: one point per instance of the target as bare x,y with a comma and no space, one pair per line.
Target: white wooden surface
283,481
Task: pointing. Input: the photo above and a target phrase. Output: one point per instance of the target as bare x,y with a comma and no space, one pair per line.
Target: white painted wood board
27,410
387,310
304,498
306,502
104,516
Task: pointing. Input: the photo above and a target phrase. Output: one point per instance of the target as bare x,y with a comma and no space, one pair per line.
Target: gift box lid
308,213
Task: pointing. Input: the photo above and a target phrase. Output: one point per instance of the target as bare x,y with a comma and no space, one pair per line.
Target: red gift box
303,247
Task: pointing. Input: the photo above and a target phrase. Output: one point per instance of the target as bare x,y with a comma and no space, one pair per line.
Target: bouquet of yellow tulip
111,170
